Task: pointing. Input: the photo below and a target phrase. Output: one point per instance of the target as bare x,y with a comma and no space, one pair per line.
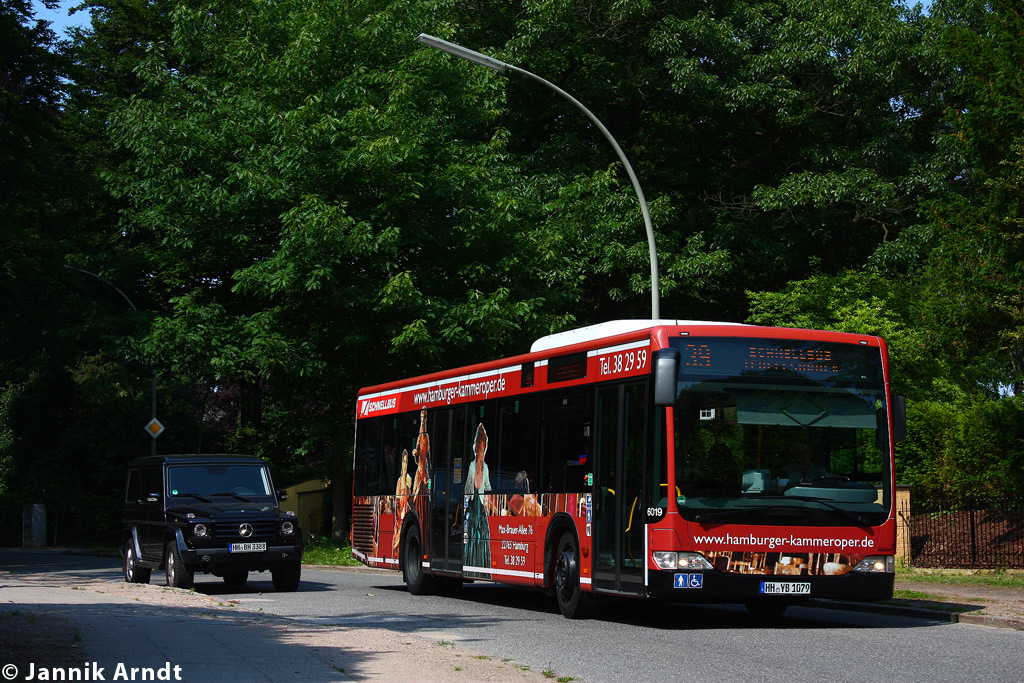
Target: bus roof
611,328
599,340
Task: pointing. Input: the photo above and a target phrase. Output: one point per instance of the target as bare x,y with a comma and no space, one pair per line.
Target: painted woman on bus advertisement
421,480
478,483
401,501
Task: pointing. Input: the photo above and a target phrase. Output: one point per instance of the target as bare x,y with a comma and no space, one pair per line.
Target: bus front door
448,447
619,512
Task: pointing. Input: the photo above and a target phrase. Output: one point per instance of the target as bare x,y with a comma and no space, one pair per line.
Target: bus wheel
412,563
572,601
766,610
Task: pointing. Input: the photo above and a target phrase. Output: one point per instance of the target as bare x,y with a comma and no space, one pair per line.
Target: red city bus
553,469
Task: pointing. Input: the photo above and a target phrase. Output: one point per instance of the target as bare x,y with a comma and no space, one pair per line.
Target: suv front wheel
286,577
178,575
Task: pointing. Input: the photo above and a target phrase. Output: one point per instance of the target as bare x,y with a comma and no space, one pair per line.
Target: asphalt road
629,640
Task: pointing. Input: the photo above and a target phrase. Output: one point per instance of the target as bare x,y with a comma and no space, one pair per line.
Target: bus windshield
772,431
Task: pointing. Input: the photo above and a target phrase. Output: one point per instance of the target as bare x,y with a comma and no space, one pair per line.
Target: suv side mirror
282,495
666,373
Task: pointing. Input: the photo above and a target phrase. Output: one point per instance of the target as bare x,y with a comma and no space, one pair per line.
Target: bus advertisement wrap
561,469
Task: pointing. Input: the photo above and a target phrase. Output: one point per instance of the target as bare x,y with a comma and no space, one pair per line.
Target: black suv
212,513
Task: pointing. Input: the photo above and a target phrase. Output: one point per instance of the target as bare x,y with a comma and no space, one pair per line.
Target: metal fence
975,534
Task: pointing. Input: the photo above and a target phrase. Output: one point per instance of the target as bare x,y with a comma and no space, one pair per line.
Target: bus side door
619,506
450,451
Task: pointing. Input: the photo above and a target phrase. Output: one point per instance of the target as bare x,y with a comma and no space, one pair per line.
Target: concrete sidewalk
103,636
113,636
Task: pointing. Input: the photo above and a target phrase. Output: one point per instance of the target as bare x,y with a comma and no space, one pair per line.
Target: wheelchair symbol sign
688,581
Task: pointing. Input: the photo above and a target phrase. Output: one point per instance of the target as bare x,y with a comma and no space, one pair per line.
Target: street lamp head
463,52
498,65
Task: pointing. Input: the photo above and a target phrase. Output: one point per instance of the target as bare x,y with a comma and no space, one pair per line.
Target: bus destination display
809,361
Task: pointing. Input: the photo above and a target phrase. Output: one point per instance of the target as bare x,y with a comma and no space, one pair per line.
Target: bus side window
567,443
518,445
368,460
409,430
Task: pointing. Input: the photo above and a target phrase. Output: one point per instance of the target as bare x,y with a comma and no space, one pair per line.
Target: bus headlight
877,564
674,560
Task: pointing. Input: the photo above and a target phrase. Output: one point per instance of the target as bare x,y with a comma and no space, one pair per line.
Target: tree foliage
302,200
974,278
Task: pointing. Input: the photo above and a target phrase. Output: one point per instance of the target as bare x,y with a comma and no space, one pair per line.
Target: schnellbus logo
372,406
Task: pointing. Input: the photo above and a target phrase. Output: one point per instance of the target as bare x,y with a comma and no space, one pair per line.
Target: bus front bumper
715,586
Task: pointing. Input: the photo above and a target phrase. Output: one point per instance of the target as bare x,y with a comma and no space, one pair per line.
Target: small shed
310,501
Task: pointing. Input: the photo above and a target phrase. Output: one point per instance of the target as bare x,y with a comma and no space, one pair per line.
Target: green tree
309,201
323,206
31,93
323,203
973,284
770,134
66,394
860,303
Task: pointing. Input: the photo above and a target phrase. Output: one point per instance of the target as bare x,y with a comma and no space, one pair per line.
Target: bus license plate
785,588
246,547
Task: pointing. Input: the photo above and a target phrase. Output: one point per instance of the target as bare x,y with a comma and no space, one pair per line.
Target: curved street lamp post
153,428
498,65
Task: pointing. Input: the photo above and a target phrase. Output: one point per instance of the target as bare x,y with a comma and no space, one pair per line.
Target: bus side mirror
666,374
899,418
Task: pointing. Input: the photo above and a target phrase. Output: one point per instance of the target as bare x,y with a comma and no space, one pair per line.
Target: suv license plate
785,588
246,547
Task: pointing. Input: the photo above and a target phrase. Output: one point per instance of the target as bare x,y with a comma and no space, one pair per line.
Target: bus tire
417,581
573,603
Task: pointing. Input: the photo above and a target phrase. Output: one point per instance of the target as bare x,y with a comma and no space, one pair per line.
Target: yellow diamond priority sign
154,428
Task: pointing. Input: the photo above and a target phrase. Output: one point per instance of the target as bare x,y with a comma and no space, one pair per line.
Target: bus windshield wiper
737,512
842,512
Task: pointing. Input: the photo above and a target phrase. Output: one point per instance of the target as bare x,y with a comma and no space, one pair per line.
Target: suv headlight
877,564
287,527
674,560
200,530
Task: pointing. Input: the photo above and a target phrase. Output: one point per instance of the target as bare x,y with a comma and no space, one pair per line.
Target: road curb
917,612
995,622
